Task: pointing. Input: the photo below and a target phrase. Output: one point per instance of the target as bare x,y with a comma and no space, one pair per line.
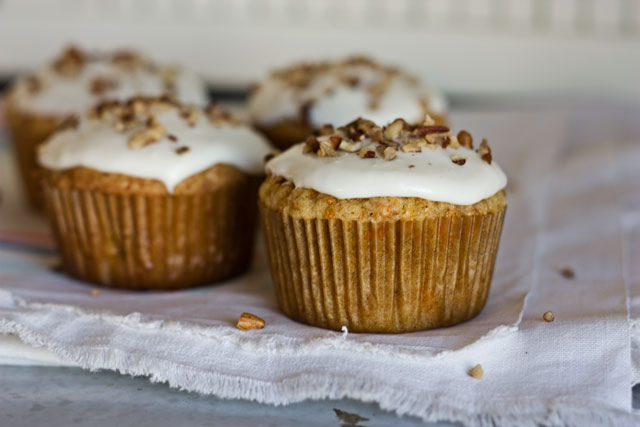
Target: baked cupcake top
156,138
361,160
336,92
76,80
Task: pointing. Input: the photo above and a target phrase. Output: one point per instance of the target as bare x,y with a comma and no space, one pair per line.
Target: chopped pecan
428,130
326,149
414,146
459,160
128,60
465,139
147,136
393,130
248,321
388,153
367,153
70,62
216,114
311,145
334,141
349,146
485,151
476,372
190,114
428,121
100,85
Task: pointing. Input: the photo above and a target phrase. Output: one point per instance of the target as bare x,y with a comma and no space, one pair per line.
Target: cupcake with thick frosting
383,229
74,82
293,102
153,194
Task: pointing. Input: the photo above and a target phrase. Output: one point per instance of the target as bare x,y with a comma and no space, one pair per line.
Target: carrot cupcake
74,82
390,229
293,102
152,194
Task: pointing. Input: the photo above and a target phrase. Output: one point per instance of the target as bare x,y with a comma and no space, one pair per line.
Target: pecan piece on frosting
485,151
414,146
325,149
190,114
367,153
393,130
465,139
70,62
387,152
350,146
459,160
100,85
311,145
149,135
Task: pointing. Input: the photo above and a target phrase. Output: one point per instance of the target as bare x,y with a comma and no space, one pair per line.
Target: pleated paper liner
161,241
393,276
27,132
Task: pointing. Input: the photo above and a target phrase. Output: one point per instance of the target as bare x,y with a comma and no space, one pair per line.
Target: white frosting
336,103
433,175
99,146
62,95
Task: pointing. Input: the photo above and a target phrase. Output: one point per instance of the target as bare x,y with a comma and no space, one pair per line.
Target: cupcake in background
153,194
77,80
293,102
392,229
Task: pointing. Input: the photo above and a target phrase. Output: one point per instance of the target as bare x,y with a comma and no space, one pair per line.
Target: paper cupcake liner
153,241
27,132
395,276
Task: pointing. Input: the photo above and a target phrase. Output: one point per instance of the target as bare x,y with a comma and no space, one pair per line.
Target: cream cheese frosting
455,174
96,77
187,148
335,93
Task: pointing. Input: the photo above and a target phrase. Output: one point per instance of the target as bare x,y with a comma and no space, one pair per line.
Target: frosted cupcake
293,102
75,81
392,229
152,194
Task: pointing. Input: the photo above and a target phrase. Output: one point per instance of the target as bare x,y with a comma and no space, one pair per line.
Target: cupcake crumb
476,372
182,150
412,166
172,137
548,316
567,273
248,321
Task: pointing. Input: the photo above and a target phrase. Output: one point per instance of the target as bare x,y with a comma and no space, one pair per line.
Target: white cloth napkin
565,210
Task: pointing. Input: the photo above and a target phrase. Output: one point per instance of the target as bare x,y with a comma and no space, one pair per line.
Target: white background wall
469,47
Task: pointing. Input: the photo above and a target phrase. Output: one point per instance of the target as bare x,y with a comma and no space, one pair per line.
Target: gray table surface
53,396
